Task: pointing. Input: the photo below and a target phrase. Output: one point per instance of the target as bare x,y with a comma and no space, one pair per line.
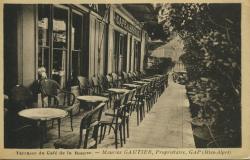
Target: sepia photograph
121,76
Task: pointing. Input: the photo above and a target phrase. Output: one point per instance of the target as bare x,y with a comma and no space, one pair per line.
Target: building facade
69,40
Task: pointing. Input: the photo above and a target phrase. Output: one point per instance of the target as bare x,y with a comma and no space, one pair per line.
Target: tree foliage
211,33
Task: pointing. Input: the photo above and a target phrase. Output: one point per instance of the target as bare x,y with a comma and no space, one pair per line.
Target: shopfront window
43,36
76,39
120,52
60,51
60,47
137,58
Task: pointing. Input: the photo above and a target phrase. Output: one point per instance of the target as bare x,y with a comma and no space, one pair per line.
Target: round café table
42,115
141,82
118,91
131,85
148,79
92,100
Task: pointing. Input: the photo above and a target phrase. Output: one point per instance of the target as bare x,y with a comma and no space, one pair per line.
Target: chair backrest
97,113
121,109
131,94
91,120
49,87
115,79
92,117
114,76
103,82
135,75
20,98
124,98
83,84
110,80
131,77
124,77
96,84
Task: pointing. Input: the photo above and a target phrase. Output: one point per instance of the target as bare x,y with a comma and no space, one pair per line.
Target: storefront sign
98,8
121,22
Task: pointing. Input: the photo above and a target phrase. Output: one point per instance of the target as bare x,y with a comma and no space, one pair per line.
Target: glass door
120,52
44,27
137,55
60,45
123,52
76,43
61,33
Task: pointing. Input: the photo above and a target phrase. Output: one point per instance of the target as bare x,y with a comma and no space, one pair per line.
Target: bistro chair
89,124
51,90
115,120
130,78
76,91
110,81
96,85
138,103
16,128
103,86
125,77
137,75
84,85
128,104
20,98
116,81
103,83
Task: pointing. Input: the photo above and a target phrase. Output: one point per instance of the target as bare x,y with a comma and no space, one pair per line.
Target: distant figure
41,73
41,76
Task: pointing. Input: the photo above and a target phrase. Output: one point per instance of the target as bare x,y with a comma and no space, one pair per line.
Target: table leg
59,125
43,132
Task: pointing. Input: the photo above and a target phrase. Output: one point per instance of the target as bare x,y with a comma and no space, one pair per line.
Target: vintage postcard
125,79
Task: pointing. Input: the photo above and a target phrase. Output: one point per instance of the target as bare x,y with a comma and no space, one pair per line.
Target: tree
211,33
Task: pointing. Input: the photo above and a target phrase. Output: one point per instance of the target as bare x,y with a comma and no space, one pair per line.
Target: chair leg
144,111
96,135
71,119
120,129
116,143
59,127
128,127
111,126
124,131
101,134
105,128
141,112
86,139
137,111
52,125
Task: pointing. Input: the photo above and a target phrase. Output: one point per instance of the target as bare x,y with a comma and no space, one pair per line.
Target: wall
143,49
130,46
20,45
97,40
11,13
28,44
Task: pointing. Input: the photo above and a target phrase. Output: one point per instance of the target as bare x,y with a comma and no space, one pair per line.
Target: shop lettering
97,8
121,22
139,151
